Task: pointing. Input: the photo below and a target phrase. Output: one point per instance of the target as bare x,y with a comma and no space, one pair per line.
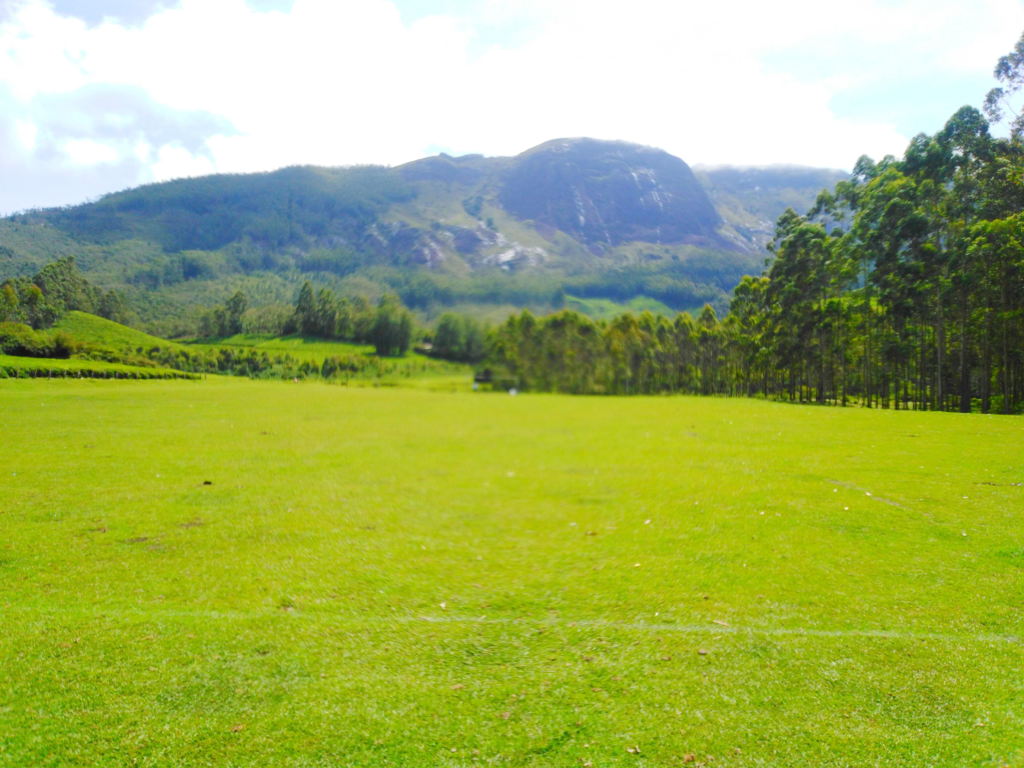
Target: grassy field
241,573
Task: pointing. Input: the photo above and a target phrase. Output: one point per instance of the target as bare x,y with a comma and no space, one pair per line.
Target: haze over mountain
593,219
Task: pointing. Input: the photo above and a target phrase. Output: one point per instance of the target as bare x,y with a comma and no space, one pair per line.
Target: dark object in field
207,482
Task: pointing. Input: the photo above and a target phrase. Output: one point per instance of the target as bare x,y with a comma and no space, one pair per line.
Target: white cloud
26,132
88,152
178,162
347,82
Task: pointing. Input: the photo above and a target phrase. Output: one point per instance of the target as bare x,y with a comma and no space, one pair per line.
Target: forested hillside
594,220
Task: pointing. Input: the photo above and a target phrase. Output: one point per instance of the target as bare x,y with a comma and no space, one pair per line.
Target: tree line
388,325
57,288
902,288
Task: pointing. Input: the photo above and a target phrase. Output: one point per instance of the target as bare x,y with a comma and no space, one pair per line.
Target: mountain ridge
598,219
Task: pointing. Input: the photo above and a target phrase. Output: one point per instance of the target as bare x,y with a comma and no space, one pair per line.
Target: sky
100,95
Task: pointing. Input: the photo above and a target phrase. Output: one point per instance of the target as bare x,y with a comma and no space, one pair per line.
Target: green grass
401,577
91,329
606,309
299,347
39,367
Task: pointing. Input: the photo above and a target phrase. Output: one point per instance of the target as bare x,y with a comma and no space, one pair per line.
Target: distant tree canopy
226,320
645,354
460,338
58,288
388,327
392,328
296,205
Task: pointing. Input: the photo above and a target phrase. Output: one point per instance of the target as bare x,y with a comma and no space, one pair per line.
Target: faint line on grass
701,629
853,487
694,629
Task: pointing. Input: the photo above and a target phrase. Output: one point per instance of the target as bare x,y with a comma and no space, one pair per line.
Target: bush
19,340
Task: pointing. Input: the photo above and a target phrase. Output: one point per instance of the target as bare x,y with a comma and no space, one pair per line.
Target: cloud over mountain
246,86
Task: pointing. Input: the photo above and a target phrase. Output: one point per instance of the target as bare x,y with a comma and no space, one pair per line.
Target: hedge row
48,372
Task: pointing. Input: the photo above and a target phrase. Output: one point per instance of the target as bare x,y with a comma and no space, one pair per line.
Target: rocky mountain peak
606,193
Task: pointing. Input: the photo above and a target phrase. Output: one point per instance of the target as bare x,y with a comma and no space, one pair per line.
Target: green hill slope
595,219
90,329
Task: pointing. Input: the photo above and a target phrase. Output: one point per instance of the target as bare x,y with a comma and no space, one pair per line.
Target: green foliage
391,333
63,285
306,319
21,340
915,299
292,206
388,328
459,337
50,368
58,287
645,354
22,301
227,320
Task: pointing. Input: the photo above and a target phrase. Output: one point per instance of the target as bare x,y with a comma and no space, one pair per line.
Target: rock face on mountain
606,193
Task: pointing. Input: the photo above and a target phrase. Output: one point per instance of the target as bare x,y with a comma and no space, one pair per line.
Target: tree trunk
986,367
821,369
939,342
1007,397
965,374
842,354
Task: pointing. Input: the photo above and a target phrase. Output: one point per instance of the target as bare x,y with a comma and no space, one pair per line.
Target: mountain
592,219
605,194
750,200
